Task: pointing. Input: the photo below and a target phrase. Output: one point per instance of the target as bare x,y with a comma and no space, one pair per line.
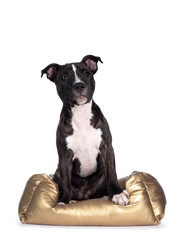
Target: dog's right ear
51,71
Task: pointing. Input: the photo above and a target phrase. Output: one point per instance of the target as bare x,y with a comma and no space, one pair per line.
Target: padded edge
156,195
152,194
29,192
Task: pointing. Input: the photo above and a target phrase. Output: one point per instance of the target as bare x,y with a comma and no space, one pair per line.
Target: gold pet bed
38,204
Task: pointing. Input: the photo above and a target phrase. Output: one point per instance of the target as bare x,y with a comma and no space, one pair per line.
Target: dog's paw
60,203
105,198
121,199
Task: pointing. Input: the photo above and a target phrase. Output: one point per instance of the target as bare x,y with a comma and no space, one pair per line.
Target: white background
137,88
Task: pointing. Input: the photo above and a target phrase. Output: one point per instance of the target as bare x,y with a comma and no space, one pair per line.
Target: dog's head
74,82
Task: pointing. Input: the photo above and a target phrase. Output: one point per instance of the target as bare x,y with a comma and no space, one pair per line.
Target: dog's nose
79,87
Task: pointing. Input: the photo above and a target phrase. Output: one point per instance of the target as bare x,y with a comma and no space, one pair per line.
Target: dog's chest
85,140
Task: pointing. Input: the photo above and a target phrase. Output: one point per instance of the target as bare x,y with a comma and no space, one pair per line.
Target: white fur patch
122,198
77,79
60,203
85,140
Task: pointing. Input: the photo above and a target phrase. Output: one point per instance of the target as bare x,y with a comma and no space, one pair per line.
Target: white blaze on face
77,79
81,98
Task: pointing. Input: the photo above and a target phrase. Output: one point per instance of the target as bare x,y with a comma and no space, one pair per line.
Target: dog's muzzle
80,93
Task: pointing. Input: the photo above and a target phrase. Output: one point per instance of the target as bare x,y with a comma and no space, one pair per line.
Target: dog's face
74,82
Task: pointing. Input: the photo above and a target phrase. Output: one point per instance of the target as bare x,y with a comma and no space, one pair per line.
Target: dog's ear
91,62
51,71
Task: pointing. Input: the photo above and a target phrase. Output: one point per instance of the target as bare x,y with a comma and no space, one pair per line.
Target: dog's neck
81,115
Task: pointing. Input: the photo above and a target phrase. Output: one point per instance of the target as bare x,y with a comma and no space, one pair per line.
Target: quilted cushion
38,204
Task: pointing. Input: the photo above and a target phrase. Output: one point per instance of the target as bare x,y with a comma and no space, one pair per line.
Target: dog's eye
63,78
86,74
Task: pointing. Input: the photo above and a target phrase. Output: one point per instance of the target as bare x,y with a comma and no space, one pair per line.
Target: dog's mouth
81,99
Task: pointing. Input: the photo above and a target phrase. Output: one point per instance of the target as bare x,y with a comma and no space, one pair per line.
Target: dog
86,167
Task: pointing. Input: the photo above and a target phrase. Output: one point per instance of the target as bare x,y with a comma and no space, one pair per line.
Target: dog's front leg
115,192
62,177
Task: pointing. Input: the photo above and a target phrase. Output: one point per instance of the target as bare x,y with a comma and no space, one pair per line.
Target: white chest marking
77,79
85,140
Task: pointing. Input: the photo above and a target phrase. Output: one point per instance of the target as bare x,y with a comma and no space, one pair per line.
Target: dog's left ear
91,62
